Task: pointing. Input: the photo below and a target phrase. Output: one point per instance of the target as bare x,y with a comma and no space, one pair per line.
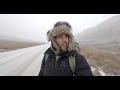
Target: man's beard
63,49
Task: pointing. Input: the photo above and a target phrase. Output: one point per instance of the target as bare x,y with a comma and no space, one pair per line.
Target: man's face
63,42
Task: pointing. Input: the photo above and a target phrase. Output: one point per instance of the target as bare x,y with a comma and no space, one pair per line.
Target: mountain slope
106,31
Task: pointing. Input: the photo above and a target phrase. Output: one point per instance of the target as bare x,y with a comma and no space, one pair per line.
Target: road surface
22,62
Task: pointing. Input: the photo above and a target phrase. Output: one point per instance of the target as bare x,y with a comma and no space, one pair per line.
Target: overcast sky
33,27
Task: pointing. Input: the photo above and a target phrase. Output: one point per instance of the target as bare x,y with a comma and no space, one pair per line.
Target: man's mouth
64,45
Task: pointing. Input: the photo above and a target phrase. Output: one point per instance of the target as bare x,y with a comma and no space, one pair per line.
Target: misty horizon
33,27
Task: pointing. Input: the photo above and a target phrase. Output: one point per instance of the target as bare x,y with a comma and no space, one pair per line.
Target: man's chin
64,50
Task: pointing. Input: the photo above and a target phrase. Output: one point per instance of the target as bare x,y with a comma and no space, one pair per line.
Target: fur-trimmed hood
60,30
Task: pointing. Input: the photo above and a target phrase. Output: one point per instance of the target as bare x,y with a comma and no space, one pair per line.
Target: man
63,58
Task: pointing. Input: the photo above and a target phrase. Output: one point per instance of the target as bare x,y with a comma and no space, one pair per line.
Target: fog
33,27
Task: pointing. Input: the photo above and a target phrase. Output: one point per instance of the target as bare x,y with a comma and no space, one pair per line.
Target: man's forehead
62,35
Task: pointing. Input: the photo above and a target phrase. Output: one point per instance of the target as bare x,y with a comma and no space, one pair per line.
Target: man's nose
64,39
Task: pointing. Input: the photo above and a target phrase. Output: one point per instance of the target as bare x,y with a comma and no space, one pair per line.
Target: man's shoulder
49,51
79,56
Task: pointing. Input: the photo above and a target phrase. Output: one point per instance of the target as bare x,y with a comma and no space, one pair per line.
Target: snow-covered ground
99,72
22,62
2,50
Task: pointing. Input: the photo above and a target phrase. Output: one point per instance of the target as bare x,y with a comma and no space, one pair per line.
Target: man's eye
66,36
59,37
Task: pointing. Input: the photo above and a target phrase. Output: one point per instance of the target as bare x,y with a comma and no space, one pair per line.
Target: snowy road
22,62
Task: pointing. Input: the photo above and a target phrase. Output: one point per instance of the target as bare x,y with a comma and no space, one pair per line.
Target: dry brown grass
16,44
110,62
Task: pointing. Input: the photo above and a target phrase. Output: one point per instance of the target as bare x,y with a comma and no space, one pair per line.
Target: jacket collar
51,53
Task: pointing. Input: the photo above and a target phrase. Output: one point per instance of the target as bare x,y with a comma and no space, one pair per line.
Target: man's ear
48,35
